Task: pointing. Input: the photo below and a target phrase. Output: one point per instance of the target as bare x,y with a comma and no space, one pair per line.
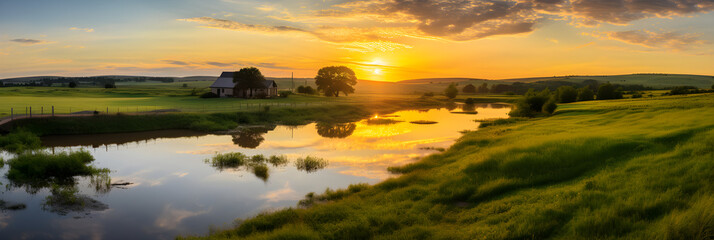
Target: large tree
333,80
249,77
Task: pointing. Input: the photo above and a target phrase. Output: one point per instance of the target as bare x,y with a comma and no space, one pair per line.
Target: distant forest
93,81
521,88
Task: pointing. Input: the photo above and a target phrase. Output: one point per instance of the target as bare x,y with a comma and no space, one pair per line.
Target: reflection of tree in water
335,130
468,107
451,106
251,137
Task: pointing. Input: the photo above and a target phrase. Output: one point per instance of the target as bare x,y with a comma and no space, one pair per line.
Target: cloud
658,40
82,29
232,25
389,25
176,62
625,11
27,41
219,64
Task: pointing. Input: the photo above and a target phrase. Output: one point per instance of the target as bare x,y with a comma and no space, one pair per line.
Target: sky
384,40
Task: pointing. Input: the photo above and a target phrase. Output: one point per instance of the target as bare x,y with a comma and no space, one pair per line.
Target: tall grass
19,141
41,165
257,164
630,169
310,163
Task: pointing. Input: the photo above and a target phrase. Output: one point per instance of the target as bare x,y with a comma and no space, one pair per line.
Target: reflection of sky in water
175,192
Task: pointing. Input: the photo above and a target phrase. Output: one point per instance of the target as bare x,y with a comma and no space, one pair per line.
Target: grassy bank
342,111
635,168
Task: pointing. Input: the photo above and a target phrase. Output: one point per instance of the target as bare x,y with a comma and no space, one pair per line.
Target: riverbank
631,168
349,110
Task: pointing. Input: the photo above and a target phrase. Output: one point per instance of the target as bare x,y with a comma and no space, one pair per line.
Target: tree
550,106
73,84
451,91
110,85
567,94
335,79
470,88
607,91
585,94
531,103
483,88
249,77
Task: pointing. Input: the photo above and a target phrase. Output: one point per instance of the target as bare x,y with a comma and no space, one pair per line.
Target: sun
377,65
377,71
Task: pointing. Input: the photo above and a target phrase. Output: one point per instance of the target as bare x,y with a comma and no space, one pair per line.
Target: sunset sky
381,39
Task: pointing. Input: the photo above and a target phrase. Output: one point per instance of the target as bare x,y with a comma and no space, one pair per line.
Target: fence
36,111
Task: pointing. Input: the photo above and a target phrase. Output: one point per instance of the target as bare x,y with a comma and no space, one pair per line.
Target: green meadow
631,168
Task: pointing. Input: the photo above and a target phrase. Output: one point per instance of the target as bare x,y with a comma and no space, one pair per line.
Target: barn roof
226,81
223,82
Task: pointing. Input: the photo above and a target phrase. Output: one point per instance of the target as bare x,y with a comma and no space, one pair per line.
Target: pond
163,187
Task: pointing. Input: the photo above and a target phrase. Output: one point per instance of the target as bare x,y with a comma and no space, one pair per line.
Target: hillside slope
635,168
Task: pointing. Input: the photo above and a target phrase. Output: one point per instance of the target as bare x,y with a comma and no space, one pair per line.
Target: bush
34,166
110,85
451,91
306,90
585,94
72,84
284,94
184,85
470,101
567,94
310,163
550,106
607,91
531,103
209,95
20,141
637,95
470,88
683,90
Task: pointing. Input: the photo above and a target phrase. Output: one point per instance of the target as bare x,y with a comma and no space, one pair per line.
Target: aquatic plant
228,160
261,171
20,141
423,122
310,163
278,160
35,166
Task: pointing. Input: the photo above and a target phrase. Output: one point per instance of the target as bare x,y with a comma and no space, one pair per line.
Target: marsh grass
382,121
33,166
256,164
617,169
19,141
310,164
423,122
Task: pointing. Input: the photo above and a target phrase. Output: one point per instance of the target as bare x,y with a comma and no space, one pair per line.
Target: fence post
53,111
12,112
42,110
107,110
30,112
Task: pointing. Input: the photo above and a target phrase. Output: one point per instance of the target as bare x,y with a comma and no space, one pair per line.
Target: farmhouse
225,87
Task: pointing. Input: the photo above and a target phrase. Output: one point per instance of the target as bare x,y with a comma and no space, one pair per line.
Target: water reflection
251,137
171,190
335,130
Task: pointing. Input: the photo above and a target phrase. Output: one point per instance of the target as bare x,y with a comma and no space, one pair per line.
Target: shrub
550,106
20,141
469,88
278,160
72,84
531,103
470,101
306,90
585,94
36,166
310,163
284,94
567,94
209,95
228,160
637,95
607,91
184,85
451,91
682,90
483,88
110,85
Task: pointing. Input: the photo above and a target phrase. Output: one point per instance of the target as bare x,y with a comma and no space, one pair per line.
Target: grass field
632,168
140,97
